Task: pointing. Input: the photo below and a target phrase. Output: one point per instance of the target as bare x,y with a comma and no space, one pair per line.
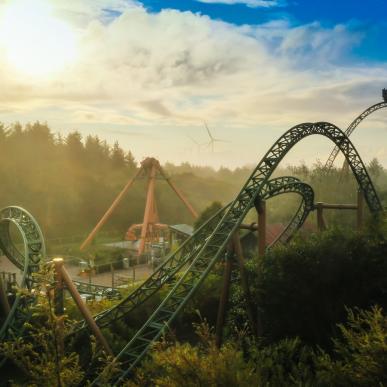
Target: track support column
84,310
224,297
112,273
320,217
360,210
59,302
261,210
255,328
58,291
4,299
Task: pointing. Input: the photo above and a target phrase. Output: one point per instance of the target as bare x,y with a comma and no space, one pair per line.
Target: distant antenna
212,139
384,93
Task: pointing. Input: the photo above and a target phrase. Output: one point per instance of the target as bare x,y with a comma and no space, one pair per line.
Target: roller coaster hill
184,270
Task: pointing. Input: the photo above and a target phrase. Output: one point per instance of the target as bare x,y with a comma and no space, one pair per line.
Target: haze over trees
69,182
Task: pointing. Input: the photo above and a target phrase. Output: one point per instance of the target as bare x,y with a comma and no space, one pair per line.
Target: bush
360,352
303,290
359,359
207,213
202,365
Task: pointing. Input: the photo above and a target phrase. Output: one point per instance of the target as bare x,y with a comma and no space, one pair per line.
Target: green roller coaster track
27,261
180,258
204,251
354,124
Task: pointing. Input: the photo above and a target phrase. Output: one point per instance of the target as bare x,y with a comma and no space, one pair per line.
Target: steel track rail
91,289
293,185
351,128
210,249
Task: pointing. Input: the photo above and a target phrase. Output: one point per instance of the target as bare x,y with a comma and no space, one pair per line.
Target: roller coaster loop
351,128
27,261
206,251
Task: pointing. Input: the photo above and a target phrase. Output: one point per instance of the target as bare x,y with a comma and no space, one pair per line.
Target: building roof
121,244
185,229
273,231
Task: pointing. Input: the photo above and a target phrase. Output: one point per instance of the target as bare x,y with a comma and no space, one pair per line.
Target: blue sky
300,11
149,73
368,17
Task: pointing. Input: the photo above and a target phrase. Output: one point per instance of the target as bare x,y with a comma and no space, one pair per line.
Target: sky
149,74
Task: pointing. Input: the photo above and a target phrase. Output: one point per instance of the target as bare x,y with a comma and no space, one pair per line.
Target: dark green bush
302,290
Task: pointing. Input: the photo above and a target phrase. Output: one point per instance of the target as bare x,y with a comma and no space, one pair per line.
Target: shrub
360,355
302,290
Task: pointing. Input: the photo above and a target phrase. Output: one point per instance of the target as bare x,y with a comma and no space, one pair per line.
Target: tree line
68,182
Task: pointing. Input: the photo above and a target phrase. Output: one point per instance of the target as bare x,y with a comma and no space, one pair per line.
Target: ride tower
150,230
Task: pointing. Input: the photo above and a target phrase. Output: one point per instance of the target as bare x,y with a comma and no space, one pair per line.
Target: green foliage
38,354
359,359
208,212
38,364
286,363
202,365
375,169
302,290
203,306
95,307
360,353
41,356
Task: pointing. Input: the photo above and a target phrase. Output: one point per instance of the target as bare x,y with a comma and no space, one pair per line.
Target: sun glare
35,42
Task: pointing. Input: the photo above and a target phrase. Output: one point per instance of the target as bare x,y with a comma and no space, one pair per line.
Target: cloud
102,115
156,107
173,69
248,3
183,67
81,12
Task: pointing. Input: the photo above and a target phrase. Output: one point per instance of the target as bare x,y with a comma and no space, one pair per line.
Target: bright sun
34,42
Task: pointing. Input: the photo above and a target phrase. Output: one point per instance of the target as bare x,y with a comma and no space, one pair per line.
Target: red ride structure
150,229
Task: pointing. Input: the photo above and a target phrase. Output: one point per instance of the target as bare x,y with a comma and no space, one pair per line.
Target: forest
69,182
